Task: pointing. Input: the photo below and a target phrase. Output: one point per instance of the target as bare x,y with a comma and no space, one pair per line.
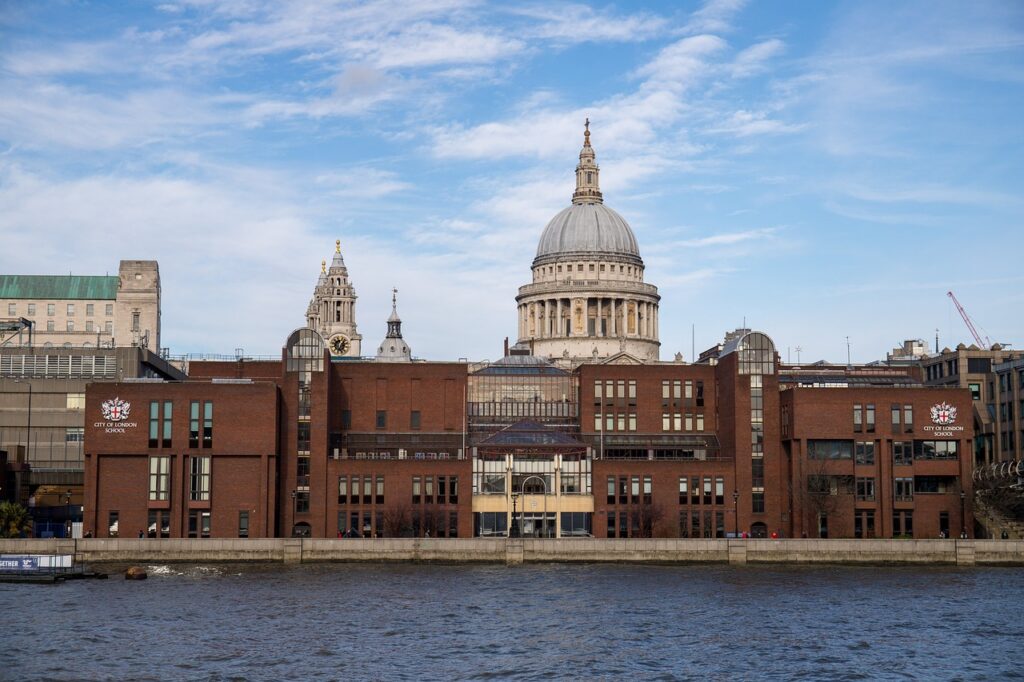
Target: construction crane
982,343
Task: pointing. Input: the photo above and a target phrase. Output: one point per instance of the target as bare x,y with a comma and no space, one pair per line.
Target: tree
820,493
650,520
15,521
397,521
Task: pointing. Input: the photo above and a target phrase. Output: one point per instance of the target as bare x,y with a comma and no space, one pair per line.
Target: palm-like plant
14,520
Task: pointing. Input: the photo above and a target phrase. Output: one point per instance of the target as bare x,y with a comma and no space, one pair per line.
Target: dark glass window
382,419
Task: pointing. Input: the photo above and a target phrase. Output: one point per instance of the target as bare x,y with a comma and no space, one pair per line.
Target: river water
614,622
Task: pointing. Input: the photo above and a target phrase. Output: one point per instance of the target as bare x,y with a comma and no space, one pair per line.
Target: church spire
394,322
588,187
338,261
394,348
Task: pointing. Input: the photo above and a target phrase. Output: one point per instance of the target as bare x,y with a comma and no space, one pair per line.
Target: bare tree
821,492
651,517
397,521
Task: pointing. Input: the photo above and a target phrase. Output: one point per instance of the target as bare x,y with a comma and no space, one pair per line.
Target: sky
820,171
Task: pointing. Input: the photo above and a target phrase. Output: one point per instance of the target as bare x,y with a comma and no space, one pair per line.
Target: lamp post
514,530
963,498
67,514
736,512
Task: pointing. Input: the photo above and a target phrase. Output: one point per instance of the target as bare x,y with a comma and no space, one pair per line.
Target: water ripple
594,622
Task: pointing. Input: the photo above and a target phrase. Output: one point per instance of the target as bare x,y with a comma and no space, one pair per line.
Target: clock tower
332,312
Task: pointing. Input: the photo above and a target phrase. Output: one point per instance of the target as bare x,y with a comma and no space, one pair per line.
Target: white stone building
83,311
588,298
332,311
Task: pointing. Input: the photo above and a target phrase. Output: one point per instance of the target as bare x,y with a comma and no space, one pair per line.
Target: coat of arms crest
943,414
115,409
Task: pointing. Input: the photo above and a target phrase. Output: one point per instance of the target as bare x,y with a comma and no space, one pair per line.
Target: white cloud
575,23
715,16
746,123
752,60
728,239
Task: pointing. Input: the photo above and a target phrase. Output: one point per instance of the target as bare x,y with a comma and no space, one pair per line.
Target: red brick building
322,446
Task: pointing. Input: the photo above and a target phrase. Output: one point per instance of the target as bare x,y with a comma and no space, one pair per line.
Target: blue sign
19,563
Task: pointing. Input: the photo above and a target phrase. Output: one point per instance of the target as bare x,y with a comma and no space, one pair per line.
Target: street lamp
736,512
514,530
67,514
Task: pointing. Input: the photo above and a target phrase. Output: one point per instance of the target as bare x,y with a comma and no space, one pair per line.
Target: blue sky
821,170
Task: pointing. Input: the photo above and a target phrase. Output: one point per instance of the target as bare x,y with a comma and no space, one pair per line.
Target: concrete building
43,416
83,311
993,409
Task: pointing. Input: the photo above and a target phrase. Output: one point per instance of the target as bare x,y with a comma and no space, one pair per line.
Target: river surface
430,622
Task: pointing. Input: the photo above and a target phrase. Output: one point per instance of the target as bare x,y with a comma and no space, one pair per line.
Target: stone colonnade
570,316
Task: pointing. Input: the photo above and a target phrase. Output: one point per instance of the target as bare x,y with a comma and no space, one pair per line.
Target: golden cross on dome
337,246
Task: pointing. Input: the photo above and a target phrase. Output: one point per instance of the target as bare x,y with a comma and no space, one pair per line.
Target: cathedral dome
588,231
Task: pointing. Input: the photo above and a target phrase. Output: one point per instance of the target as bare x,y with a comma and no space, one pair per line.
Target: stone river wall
518,551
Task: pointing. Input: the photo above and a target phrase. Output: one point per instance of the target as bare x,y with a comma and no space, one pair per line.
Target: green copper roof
56,287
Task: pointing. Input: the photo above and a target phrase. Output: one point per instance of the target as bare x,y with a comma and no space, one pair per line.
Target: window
647,490
76,401
199,522
757,472
74,435
719,490
343,490
70,325
865,452
382,419
908,418
12,309
109,309
112,524
757,502
683,497
199,479
154,423
346,419
302,502
902,523
869,418
895,412
902,453
707,490
89,309
416,490
829,449
51,309
159,478
31,309
302,436
575,524
975,391
108,327
243,524
168,422
935,449
193,424
414,420
379,499
858,415
903,489
50,326
88,326
866,489
135,322
491,524
208,424
71,309
428,489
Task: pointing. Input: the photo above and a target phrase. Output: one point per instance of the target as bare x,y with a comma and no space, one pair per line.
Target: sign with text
115,411
944,421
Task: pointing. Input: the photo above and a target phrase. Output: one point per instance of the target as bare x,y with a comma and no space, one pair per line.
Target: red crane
986,344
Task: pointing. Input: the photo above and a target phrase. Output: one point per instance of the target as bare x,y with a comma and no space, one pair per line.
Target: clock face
339,344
